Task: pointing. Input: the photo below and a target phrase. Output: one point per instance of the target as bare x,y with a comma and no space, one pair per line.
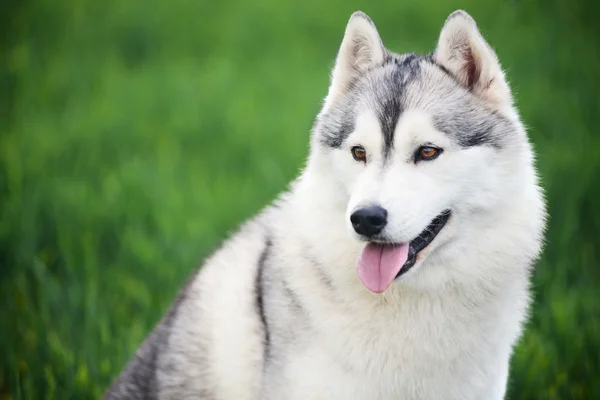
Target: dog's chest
379,355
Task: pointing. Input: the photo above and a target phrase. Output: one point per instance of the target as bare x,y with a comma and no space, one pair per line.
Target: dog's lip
423,240
419,243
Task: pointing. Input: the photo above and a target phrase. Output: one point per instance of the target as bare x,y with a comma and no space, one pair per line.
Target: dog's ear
463,51
361,49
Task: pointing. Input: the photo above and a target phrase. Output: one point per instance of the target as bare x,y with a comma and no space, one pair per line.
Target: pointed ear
361,49
463,51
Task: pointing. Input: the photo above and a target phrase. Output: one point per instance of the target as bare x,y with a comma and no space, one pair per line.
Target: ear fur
463,51
360,50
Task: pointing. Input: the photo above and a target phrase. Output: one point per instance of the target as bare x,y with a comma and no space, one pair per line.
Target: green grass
136,134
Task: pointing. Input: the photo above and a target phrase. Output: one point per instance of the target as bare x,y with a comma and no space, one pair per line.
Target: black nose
369,221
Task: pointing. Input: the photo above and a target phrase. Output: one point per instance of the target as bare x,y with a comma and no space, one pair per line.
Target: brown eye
359,153
427,153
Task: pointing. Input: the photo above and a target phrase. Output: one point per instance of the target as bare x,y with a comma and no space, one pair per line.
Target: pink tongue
379,264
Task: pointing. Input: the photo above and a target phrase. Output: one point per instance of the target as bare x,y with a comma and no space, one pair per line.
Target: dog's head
422,149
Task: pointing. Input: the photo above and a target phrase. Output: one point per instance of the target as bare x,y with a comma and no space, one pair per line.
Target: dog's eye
427,153
359,153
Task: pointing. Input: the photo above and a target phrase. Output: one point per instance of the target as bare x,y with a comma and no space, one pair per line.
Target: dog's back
210,344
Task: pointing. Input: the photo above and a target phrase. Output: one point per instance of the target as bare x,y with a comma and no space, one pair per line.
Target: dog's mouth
419,243
381,261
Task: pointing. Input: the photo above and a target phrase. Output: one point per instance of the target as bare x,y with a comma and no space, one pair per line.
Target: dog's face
417,143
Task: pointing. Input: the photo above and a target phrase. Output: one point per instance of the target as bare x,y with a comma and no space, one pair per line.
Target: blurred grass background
136,134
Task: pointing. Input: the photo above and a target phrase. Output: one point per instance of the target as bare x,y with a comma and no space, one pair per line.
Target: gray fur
278,312
293,298
324,278
400,84
138,380
260,290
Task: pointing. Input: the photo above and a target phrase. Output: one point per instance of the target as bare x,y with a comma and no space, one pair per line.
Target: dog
398,263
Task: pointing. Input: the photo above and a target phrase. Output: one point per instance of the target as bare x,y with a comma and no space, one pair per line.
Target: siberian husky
397,265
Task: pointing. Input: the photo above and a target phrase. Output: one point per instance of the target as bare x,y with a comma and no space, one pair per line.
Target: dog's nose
369,221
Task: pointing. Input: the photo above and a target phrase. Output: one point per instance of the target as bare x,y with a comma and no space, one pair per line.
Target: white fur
361,49
444,330
447,328
462,48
